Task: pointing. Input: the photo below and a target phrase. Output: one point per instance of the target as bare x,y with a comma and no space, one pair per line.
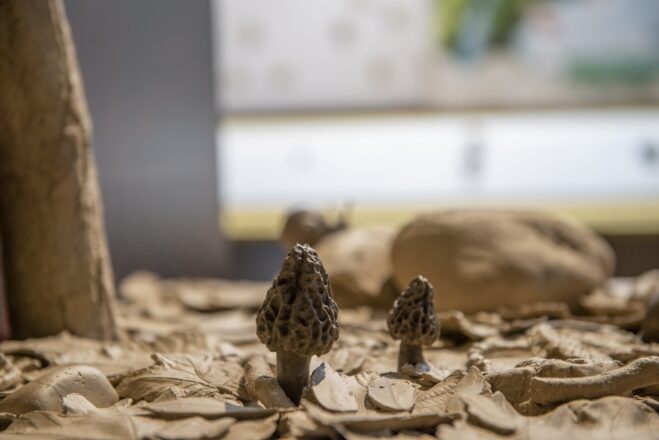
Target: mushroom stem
409,354
262,385
292,374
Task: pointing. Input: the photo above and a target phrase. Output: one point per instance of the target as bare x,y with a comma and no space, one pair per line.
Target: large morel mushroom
412,320
298,318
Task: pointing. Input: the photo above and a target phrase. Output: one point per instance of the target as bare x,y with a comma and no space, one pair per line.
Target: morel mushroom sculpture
412,320
298,318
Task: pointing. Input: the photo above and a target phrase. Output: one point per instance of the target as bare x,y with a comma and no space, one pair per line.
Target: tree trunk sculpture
56,263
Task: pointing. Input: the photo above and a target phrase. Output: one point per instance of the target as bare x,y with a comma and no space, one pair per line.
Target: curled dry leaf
358,385
331,391
607,418
552,310
456,325
181,376
298,424
426,377
210,295
142,291
111,424
65,349
574,339
514,382
601,302
486,413
10,374
570,368
437,399
497,350
392,394
348,360
195,428
472,384
377,422
189,341
404,435
253,429
204,407
118,423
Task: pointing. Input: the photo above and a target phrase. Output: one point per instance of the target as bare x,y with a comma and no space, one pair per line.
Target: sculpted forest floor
188,364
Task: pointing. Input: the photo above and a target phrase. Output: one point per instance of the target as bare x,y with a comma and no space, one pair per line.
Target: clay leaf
253,429
65,349
101,424
427,376
180,376
436,398
348,360
209,295
392,394
376,422
609,417
204,407
298,424
487,413
455,323
331,391
90,423
579,339
195,428
442,397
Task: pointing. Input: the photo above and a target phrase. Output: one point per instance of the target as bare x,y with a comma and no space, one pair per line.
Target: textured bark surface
58,275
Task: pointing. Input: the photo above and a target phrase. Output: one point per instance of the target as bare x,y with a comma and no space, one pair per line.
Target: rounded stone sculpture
482,260
358,258
412,320
298,318
308,227
48,391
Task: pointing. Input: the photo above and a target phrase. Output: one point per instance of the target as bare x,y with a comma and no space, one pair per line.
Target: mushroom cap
299,314
412,318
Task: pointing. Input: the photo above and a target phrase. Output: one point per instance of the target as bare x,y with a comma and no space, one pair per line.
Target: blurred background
212,119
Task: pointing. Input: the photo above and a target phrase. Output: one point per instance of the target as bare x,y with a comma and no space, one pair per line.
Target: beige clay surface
538,372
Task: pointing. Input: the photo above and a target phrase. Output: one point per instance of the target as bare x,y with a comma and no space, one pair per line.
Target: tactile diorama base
187,364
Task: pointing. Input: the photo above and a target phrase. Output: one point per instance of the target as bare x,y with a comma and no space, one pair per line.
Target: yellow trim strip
610,218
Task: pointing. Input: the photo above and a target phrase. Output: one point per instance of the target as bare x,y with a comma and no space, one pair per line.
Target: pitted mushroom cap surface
299,313
412,318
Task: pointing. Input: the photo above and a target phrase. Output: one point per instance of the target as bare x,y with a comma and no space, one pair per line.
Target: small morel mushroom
298,318
412,320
